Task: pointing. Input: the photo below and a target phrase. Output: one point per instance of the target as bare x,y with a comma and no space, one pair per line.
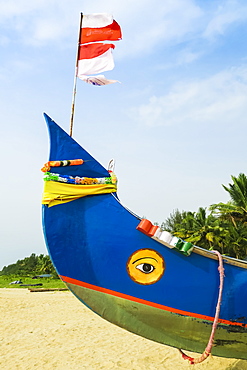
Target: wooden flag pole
75,80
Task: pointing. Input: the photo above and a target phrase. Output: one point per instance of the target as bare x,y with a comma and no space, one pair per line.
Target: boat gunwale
198,250
226,259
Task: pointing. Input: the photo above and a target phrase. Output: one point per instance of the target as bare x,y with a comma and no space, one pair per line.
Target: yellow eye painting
146,266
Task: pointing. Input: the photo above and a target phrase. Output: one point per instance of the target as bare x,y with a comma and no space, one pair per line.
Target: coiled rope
208,349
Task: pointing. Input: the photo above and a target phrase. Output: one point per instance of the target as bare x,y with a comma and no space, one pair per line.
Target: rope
208,349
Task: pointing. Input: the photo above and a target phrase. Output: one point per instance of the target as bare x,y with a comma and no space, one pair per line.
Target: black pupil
147,267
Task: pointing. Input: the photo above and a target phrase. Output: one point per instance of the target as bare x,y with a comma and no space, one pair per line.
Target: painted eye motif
145,266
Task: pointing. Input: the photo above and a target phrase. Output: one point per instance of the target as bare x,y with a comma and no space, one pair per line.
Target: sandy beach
53,330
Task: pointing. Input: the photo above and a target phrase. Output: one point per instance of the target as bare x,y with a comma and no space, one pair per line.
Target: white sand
53,330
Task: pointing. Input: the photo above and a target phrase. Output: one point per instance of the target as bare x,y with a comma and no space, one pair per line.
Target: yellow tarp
59,193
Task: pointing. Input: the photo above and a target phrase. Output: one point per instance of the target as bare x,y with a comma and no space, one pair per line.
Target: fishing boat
129,271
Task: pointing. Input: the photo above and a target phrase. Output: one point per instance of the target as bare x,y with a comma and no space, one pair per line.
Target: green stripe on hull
161,326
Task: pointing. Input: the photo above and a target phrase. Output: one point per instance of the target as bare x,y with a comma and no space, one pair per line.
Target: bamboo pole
75,80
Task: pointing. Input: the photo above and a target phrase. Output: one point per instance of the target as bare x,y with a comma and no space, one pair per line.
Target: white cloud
12,8
47,29
144,24
227,14
40,21
219,99
170,23
147,27
187,56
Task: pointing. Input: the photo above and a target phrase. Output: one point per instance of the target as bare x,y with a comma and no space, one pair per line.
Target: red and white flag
95,58
99,27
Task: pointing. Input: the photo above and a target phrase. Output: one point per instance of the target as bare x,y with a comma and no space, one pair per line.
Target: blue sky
175,125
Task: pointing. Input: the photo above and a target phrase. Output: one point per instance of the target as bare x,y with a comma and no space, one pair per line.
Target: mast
75,80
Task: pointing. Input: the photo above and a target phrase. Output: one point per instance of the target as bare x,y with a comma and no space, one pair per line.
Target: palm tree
238,191
237,241
46,266
236,209
173,221
197,228
202,230
234,216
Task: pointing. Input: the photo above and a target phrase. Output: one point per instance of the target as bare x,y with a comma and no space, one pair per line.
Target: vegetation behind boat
31,266
222,228
31,271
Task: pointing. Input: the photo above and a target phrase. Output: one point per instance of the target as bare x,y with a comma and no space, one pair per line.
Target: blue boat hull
91,241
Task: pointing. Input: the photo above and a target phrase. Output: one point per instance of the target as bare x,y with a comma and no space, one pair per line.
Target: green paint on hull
174,330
